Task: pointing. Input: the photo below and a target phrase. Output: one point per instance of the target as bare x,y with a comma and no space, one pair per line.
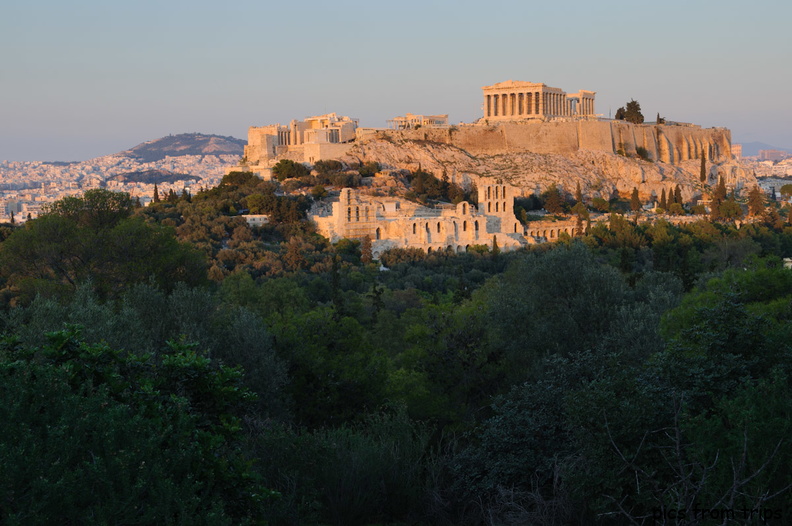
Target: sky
87,78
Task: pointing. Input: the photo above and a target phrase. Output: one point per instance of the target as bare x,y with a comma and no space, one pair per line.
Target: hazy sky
85,78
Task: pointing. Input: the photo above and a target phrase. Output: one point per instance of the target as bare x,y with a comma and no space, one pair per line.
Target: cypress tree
678,194
156,194
635,200
366,255
578,193
703,167
663,202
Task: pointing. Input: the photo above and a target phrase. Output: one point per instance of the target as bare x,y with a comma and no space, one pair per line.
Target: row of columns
530,103
585,106
535,103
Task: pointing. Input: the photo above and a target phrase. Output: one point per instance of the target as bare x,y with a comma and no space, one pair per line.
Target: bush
369,169
288,169
318,191
600,204
329,166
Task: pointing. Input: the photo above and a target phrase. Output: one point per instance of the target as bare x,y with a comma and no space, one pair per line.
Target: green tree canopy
92,435
97,208
288,169
630,113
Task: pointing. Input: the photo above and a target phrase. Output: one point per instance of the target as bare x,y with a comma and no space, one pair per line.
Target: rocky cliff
599,172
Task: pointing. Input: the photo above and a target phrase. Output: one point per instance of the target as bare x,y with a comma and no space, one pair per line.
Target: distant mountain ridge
750,149
185,144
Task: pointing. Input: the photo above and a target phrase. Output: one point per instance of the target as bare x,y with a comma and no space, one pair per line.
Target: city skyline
90,79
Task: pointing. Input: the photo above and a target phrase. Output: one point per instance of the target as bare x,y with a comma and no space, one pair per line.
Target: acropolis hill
530,136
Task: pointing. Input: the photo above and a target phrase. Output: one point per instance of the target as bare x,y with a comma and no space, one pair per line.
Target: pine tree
756,201
703,175
663,201
553,201
635,200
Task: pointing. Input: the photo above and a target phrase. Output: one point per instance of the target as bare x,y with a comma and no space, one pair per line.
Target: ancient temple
516,100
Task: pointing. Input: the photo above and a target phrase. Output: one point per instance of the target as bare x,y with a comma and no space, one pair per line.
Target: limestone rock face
599,173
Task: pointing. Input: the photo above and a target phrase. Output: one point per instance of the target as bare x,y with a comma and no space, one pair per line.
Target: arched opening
489,207
464,208
489,194
464,226
429,250
357,213
438,228
496,192
496,206
467,248
349,213
378,233
414,229
476,226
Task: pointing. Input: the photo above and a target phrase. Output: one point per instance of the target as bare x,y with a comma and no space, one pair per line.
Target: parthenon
516,100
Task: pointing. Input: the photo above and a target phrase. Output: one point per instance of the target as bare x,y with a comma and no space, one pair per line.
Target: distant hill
185,144
750,149
153,177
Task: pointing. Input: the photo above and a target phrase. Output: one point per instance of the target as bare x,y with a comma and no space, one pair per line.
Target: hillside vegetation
189,369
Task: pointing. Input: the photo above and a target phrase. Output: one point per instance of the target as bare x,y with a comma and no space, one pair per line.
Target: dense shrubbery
642,367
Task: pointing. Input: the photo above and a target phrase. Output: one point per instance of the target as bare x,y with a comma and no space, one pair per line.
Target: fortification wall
667,143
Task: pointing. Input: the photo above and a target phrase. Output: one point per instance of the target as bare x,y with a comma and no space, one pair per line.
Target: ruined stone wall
667,143
396,223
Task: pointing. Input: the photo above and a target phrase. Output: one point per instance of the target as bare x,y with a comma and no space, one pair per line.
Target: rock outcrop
600,173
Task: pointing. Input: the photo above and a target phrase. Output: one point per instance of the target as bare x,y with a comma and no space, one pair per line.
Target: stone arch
489,207
349,213
464,208
415,228
429,250
464,226
438,227
378,233
476,226
496,203
467,248
459,249
496,193
357,213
